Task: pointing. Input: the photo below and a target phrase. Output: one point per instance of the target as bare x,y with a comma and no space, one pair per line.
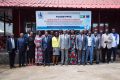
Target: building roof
62,3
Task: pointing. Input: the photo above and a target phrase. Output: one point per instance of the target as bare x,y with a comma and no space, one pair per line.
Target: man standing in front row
100,37
97,47
46,46
106,45
11,48
64,46
90,46
115,43
21,49
81,45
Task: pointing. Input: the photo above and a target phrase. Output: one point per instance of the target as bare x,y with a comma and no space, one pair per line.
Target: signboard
63,20
95,26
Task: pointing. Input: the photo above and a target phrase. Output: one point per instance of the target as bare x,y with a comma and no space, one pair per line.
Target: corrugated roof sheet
61,3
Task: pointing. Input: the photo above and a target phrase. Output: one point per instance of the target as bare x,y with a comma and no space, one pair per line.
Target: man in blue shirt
46,46
115,43
21,49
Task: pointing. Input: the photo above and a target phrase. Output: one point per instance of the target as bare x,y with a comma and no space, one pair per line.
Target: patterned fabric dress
38,50
72,54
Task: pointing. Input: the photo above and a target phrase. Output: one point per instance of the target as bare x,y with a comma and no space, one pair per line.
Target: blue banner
63,20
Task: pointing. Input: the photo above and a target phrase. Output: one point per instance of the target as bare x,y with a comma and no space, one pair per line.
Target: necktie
13,44
46,39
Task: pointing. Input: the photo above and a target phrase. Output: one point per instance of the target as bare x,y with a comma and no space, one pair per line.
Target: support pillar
4,25
18,22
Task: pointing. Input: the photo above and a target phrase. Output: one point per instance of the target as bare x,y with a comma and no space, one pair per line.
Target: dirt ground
67,72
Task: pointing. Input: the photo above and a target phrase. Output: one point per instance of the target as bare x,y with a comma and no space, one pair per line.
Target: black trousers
106,51
31,53
12,58
51,54
26,55
114,51
21,57
46,56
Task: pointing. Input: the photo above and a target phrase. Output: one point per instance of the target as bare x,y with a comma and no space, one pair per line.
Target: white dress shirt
82,37
109,39
13,43
89,41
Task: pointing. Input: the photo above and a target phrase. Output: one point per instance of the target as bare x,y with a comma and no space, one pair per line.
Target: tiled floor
71,72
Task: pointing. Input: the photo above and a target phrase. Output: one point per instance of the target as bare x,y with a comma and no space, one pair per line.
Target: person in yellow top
55,45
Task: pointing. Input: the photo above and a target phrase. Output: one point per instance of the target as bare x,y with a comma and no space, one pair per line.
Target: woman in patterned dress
38,49
72,55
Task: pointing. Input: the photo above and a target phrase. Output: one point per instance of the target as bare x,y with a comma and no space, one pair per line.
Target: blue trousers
83,56
64,56
21,57
46,56
89,53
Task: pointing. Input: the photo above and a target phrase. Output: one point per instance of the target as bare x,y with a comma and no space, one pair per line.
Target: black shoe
83,64
48,64
108,62
91,63
14,67
56,64
103,61
62,64
11,67
19,65
45,64
79,63
37,64
23,65
97,62
114,60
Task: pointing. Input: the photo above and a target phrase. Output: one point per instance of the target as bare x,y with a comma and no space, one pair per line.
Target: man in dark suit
46,46
96,47
51,51
11,48
26,36
21,49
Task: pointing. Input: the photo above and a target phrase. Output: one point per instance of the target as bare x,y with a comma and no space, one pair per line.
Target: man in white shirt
90,46
106,45
115,43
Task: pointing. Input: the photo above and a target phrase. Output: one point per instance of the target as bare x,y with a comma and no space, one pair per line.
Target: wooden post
19,22
4,25
99,19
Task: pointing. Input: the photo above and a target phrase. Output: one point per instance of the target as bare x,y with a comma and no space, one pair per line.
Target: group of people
66,47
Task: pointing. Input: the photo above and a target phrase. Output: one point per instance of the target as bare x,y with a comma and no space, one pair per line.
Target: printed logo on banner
87,16
40,16
82,16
